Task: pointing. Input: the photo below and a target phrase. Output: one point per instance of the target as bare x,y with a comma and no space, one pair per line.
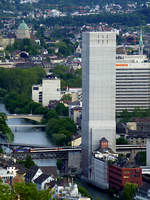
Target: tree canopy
129,191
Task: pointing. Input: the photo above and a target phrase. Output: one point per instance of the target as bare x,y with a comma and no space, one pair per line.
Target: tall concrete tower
98,83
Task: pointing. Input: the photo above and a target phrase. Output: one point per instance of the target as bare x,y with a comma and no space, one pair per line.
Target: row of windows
129,104
132,85
131,89
134,81
125,94
132,73
131,69
131,101
132,97
126,79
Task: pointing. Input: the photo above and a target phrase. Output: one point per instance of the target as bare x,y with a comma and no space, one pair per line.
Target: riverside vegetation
15,90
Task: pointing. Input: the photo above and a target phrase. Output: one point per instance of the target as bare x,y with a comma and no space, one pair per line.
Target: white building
148,152
8,173
47,91
100,173
99,169
69,192
132,82
98,76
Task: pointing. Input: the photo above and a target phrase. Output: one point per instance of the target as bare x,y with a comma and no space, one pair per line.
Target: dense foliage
20,80
129,191
68,79
23,191
24,45
18,83
84,192
60,130
28,162
5,131
127,116
121,140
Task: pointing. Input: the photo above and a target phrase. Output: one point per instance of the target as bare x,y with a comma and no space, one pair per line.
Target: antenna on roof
141,43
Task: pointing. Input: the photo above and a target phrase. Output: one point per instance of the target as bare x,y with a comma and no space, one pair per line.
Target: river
37,136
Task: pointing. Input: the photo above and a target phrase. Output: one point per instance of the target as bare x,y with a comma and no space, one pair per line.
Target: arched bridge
37,118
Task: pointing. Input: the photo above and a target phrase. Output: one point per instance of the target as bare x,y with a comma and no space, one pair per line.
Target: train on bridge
46,149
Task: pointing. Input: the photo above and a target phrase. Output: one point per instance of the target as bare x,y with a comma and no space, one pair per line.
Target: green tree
66,97
61,109
84,192
121,140
125,116
59,164
5,193
59,139
129,191
29,162
30,192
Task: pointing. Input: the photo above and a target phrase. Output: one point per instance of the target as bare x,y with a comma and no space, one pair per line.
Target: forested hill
137,18
14,5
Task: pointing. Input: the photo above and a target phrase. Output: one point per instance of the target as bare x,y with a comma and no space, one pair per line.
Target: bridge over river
27,125
37,118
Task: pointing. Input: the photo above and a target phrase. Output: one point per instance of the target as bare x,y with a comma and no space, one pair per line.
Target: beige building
4,42
76,141
49,90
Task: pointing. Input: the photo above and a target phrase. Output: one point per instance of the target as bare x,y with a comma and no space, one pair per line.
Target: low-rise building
65,189
76,141
119,176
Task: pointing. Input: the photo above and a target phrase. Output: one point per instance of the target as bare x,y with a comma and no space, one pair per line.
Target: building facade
98,83
119,176
148,152
100,172
132,82
48,91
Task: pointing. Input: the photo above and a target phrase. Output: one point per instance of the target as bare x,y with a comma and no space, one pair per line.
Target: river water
37,136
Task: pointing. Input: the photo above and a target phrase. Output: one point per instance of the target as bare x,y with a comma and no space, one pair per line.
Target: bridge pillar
74,161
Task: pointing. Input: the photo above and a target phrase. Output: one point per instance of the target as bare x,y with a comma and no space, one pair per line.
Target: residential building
98,81
76,141
119,175
132,82
4,42
49,90
76,115
100,163
42,180
65,189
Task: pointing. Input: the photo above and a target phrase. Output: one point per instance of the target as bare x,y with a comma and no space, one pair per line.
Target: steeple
141,43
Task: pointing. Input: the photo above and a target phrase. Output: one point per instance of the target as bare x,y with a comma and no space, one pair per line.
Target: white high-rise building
132,82
98,83
49,90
